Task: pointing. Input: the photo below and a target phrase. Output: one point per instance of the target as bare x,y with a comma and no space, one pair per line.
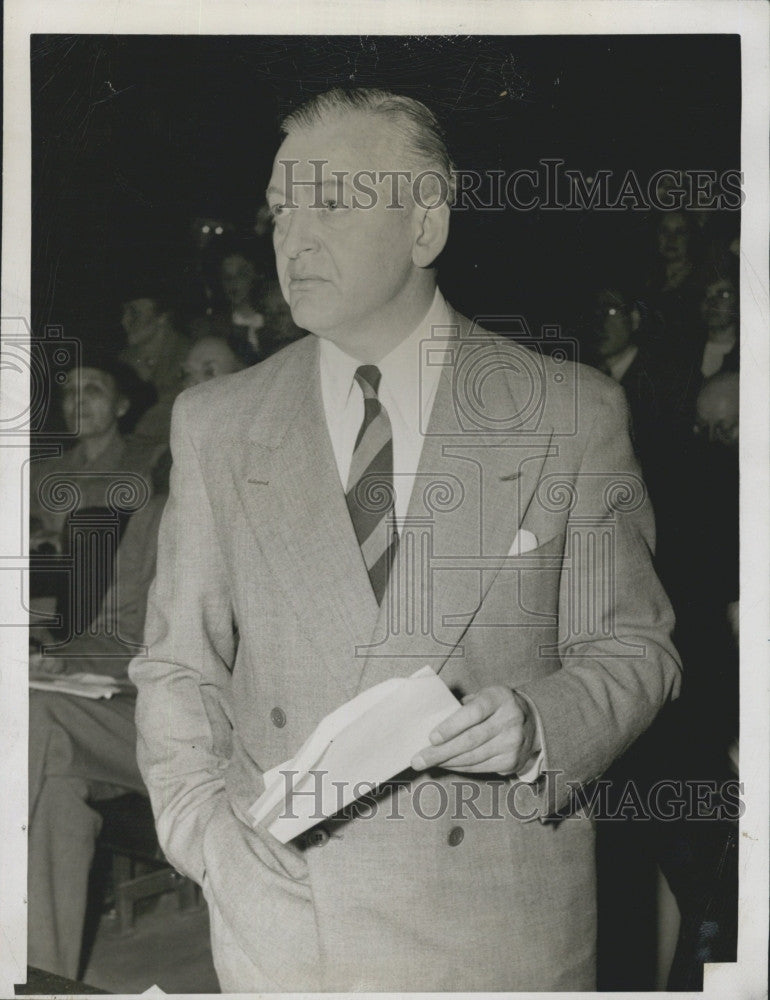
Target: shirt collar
721,346
406,384
619,365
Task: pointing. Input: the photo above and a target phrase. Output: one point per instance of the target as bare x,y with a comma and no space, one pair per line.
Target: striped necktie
370,493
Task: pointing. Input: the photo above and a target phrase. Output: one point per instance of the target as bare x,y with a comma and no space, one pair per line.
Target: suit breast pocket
525,590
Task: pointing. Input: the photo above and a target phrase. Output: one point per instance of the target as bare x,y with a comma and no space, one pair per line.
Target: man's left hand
494,732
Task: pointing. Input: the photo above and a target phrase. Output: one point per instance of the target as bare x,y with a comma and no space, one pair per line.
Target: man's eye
276,211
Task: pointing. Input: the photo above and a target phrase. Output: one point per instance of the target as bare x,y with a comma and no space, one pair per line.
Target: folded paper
80,685
360,745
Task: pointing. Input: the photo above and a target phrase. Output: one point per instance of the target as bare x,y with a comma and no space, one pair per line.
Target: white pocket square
524,541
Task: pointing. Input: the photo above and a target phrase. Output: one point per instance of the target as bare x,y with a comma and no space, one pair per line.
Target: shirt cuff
534,766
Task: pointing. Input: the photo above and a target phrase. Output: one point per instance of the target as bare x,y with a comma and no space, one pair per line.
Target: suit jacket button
278,717
317,837
455,837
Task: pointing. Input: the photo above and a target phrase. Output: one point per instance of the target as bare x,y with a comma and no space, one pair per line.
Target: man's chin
308,316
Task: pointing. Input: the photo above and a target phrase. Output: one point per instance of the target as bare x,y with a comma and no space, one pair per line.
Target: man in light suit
285,587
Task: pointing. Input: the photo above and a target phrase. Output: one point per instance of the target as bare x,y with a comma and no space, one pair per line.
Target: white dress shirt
407,391
252,322
619,365
714,354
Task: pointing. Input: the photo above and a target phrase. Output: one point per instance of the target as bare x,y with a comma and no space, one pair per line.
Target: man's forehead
89,376
718,404
235,262
214,350
349,143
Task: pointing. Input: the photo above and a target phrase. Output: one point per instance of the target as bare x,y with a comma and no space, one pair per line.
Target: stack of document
360,745
81,685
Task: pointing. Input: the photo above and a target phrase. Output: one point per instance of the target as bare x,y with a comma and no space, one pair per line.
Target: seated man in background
712,347
82,749
719,310
209,358
717,410
155,350
673,287
716,347
612,325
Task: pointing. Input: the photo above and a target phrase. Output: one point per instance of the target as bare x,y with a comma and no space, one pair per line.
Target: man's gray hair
417,126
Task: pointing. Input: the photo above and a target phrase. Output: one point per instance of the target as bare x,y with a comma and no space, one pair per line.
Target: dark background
133,136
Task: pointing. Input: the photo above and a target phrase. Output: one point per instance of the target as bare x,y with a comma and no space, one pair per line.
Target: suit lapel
293,498
471,493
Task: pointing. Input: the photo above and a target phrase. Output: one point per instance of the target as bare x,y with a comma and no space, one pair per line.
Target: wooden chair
128,836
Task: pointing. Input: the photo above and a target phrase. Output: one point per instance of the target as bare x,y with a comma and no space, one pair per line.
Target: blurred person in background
96,399
714,345
720,315
209,358
72,495
206,233
278,318
83,749
263,222
238,317
717,411
695,740
708,550
712,348
673,287
676,242
612,329
155,349
700,859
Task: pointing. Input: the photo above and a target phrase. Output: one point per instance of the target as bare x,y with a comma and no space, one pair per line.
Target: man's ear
122,407
636,319
431,229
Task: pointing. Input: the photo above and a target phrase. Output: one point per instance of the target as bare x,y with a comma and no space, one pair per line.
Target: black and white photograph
384,442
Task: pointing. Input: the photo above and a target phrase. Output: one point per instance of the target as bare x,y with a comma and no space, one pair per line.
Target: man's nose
298,233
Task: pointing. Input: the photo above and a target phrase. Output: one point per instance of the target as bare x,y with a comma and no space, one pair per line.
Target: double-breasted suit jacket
262,620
